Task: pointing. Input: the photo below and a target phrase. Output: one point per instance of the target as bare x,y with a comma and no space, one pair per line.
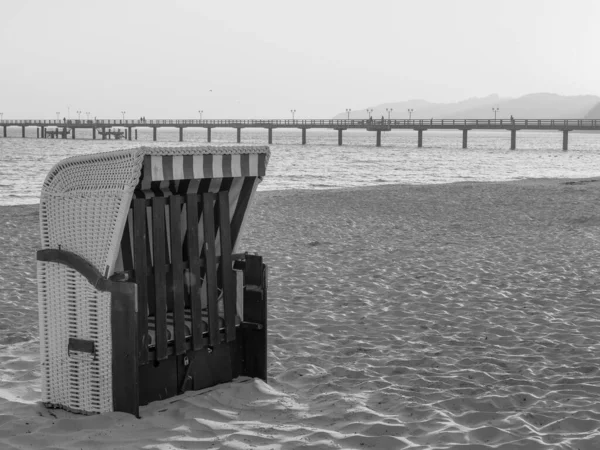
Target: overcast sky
262,58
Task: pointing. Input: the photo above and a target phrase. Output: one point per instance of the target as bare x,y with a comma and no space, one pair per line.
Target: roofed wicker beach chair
142,294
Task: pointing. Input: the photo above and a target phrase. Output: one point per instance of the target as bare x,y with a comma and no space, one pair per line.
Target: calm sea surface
322,164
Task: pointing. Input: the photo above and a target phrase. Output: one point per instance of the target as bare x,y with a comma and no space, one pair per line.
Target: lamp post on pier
348,112
389,110
123,114
410,111
495,111
293,111
78,115
369,111
58,116
200,111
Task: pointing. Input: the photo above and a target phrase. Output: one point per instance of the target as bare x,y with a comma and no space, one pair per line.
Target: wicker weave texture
71,308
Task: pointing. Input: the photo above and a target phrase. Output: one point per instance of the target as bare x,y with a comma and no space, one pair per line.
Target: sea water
322,164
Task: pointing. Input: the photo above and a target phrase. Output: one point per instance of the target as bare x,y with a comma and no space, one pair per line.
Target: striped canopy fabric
203,166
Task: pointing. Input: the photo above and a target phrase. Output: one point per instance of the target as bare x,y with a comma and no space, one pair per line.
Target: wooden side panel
194,265
140,237
208,201
227,278
160,275
158,381
255,312
125,378
237,353
177,274
211,367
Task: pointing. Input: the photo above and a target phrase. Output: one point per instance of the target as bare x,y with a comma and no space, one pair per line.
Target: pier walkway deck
69,127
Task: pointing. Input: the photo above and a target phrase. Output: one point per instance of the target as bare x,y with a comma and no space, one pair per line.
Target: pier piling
130,133
154,133
180,134
4,130
94,133
136,134
37,132
339,137
513,139
378,138
565,140
303,136
270,135
23,130
208,139
420,138
103,133
464,138
239,135
73,133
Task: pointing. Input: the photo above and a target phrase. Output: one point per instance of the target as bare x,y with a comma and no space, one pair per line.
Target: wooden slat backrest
227,278
142,267
194,266
172,278
242,205
160,275
128,235
208,201
176,279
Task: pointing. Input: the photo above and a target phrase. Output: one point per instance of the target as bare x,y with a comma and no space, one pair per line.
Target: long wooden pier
103,127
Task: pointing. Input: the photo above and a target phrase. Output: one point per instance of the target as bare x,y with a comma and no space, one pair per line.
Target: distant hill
531,106
593,113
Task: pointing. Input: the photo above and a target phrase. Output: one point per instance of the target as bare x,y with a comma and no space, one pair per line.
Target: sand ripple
472,307
424,317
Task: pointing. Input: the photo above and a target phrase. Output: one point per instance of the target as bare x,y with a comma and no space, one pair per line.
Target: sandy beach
462,315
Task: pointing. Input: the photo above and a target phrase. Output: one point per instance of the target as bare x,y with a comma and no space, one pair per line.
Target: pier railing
331,123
